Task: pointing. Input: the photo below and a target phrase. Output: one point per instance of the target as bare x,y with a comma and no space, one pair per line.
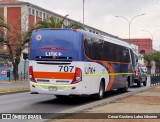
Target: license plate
52,88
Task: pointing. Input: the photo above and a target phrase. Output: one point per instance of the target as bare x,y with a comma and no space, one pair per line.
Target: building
25,14
144,45
29,14
22,15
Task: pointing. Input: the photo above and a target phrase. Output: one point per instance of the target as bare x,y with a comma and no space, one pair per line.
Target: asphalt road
37,103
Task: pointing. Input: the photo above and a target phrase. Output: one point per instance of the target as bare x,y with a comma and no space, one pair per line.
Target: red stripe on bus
53,48
54,75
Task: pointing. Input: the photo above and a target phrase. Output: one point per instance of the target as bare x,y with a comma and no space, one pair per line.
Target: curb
6,93
104,101
83,108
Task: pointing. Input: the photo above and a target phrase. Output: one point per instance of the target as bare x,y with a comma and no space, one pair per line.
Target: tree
153,56
75,26
15,39
15,49
2,23
148,57
3,26
53,23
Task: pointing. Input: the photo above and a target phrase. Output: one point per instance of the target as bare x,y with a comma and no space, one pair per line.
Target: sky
101,14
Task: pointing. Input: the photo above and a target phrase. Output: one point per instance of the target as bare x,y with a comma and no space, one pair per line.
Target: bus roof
114,40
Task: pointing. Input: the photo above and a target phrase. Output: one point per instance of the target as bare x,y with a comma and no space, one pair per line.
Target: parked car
140,77
144,69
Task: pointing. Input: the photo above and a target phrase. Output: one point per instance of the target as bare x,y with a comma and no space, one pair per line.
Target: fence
22,71
22,76
155,79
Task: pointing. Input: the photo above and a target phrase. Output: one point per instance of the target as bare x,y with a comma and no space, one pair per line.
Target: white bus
66,62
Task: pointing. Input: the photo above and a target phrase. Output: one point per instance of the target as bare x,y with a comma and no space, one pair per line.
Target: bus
68,62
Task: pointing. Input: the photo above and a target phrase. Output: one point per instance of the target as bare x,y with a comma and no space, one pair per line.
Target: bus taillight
31,76
77,76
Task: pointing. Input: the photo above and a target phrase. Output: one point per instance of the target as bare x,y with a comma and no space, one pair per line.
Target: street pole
151,33
129,22
83,12
24,69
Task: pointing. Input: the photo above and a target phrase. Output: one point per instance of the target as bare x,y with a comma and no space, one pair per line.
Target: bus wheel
129,83
100,94
125,89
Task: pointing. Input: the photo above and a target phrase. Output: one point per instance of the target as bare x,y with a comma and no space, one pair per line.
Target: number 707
66,68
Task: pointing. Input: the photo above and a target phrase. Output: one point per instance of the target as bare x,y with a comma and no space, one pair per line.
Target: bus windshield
55,43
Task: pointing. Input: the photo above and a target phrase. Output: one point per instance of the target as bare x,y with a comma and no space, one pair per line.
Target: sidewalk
144,102
13,86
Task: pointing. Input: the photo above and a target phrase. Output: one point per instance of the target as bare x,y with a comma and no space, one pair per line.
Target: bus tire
100,94
129,82
125,89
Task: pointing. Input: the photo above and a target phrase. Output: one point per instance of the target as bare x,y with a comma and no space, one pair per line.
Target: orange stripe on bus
111,77
54,75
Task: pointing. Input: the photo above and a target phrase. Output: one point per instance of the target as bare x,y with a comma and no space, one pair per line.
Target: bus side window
133,58
88,47
108,51
125,54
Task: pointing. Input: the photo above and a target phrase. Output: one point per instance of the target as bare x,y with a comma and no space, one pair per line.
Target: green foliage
2,23
75,26
50,23
156,57
53,23
153,56
148,57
